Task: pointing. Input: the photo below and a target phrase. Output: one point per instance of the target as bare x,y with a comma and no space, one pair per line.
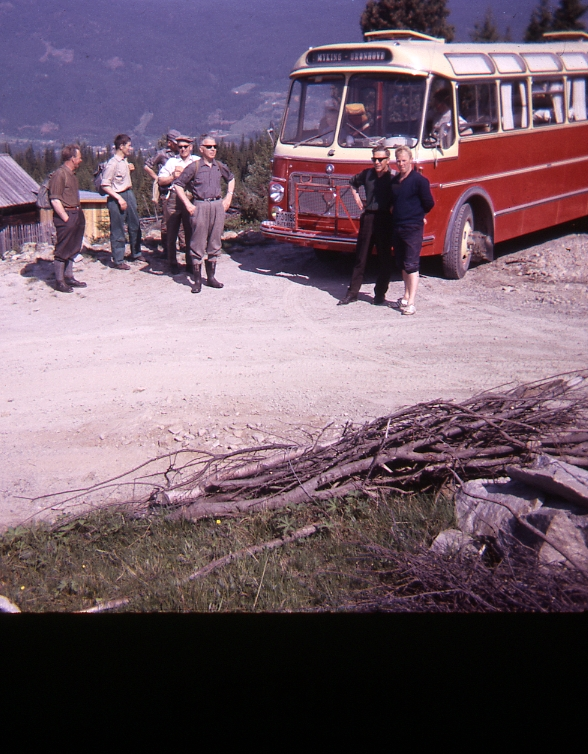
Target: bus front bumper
316,240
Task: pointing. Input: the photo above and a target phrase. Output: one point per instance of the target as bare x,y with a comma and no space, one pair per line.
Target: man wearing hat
154,164
176,213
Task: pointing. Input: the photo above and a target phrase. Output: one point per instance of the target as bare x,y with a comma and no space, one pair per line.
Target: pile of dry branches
427,582
425,444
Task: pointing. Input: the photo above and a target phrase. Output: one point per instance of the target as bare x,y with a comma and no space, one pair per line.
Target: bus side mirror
430,142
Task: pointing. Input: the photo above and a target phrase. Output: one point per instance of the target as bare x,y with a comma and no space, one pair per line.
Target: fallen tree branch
306,531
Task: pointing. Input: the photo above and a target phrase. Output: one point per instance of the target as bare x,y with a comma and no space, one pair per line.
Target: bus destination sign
359,56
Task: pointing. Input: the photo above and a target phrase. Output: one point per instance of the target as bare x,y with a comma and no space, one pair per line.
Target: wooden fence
14,236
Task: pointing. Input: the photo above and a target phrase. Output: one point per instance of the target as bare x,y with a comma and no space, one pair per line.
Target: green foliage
540,22
486,31
109,554
250,162
426,16
566,17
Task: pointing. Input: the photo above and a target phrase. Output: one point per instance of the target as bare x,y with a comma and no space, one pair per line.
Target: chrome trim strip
511,173
528,205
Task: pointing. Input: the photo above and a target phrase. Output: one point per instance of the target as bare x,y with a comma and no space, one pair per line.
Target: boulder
453,542
556,477
567,532
480,505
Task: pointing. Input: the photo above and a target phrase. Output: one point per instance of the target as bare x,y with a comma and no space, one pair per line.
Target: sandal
408,309
399,304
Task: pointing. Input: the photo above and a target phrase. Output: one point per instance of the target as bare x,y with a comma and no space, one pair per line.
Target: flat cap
172,134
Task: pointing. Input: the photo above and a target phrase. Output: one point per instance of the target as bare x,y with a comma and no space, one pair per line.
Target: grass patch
110,554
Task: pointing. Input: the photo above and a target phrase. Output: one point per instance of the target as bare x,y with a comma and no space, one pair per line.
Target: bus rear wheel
457,260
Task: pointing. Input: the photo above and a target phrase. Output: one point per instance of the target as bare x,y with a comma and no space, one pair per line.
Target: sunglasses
209,146
185,146
379,159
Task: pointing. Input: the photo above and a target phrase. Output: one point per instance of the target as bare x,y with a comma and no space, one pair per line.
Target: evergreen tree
426,16
487,31
540,22
567,16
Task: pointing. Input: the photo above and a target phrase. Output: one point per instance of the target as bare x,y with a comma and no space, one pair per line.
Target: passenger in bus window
328,122
411,201
375,226
442,128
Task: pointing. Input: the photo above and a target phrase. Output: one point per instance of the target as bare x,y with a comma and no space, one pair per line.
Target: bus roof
410,52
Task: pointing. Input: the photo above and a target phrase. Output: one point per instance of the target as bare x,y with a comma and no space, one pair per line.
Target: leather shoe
138,258
121,266
349,299
76,283
63,287
379,300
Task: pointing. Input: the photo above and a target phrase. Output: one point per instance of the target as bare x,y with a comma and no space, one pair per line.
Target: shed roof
16,185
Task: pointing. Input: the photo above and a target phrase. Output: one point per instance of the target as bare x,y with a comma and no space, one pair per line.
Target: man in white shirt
176,212
121,203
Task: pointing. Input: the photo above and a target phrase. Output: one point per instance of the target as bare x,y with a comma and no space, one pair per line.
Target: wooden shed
96,214
20,219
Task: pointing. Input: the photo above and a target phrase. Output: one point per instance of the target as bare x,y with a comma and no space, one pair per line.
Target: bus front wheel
458,257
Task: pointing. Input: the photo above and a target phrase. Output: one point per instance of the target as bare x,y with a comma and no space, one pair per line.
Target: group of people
393,216
190,187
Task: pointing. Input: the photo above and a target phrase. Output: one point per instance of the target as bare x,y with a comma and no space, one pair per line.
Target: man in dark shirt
207,209
68,218
411,199
375,226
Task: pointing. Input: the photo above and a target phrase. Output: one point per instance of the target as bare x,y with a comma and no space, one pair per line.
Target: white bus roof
409,52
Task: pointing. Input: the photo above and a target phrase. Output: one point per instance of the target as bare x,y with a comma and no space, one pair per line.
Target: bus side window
548,102
577,99
513,103
439,121
477,108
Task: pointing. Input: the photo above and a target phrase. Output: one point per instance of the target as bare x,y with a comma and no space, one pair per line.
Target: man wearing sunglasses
207,209
375,226
176,214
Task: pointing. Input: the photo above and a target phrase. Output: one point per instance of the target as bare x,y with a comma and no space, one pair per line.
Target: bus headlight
276,192
275,212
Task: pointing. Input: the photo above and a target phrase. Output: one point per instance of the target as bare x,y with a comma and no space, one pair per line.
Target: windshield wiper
312,138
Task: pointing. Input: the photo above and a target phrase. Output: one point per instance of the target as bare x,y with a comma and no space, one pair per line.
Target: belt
214,199
69,209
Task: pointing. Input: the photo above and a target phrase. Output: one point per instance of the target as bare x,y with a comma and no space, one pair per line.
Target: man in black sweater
375,226
411,200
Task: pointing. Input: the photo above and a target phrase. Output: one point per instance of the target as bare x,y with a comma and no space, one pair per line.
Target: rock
228,235
453,542
568,533
478,509
557,477
6,606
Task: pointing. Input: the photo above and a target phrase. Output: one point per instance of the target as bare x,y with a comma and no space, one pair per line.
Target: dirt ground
96,382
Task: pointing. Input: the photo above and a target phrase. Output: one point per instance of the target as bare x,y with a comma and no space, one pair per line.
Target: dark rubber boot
197,273
211,281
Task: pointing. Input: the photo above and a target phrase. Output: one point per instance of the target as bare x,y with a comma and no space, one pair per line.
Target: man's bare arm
59,209
187,203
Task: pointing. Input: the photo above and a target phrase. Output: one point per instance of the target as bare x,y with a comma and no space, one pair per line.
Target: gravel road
100,380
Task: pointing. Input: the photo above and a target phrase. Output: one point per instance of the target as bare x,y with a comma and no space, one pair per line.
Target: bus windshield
385,108
313,110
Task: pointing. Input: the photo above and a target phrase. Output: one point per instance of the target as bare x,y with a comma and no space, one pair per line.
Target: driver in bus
443,125
356,123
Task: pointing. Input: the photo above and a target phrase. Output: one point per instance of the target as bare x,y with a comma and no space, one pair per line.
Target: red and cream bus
500,131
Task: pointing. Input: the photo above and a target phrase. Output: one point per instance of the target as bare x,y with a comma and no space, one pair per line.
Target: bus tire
457,260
